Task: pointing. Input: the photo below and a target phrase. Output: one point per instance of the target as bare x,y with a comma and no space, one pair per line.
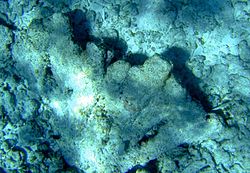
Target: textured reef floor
130,86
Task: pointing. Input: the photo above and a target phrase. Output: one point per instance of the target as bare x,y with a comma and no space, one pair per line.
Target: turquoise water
124,86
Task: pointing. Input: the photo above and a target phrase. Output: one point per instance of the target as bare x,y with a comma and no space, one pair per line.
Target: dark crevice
151,133
7,23
185,77
115,49
184,145
177,163
80,27
56,137
227,118
136,59
17,78
204,168
150,167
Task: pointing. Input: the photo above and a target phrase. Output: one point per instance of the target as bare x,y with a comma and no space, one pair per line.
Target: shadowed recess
115,49
136,59
7,24
149,167
185,77
80,27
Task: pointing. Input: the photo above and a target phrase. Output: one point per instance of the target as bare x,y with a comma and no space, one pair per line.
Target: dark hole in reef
184,145
177,163
152,132
56,137
150,167
48,71
136,59
17,78
185,77
80,27
118,47
149,135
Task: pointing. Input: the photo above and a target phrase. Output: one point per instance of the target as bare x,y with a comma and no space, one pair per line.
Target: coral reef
124,86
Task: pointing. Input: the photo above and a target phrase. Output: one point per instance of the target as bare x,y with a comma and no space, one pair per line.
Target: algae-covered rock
154,72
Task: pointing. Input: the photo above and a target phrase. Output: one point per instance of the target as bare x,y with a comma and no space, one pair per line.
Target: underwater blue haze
125,86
